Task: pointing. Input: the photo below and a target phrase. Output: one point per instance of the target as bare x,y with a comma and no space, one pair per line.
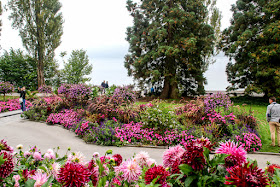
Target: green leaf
30,183
109,152
47,184
2,160
185,168
189,180
218,160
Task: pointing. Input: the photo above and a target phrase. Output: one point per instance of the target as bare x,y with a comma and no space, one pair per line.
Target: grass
7,97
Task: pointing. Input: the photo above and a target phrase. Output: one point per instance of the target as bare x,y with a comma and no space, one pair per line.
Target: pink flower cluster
133,132
12,104
45,89
6,87
250,141
74,91
67,118
215,117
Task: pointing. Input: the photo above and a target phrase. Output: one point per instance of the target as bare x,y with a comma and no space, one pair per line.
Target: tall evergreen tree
253,41
171,42
77,68
40,27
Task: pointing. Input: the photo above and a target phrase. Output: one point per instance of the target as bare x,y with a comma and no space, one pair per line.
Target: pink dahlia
37,156
93,168
171,155
142,158
237,155
55,169
118,159
17,178
40,178
5,147
247,175
77,157
73,175
8,166
154,172
129,170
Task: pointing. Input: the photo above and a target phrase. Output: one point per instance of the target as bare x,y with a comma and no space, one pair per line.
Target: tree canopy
253,41
40,25
170,44
77,67
18,69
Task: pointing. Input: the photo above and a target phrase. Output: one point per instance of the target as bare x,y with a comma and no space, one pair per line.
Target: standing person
103,84
22,95
106,85
273,116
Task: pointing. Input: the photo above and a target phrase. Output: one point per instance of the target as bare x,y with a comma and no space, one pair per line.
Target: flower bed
114,119
12,104
188,165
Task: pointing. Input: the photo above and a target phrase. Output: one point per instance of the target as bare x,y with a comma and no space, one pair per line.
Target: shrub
45,89
6,87
216,101
123,95
12,104
250,141
159,118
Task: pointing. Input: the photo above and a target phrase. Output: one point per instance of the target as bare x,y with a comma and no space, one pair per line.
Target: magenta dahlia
172,155
5,147
118,159
73,175
154,172
93,168
8,166
247,175
237,155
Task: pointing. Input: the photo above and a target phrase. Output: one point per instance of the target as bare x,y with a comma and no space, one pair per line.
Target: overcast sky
99,28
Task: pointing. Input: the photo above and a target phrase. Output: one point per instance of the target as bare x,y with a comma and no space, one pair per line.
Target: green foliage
18,69
253,42
40,28
170,44
212,174
159,117
77,68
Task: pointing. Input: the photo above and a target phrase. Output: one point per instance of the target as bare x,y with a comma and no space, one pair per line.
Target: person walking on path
106,85
22,96
273,116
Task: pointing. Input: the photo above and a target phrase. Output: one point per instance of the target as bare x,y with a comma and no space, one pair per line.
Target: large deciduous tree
18,69
77,67
253,41
171,43
40,25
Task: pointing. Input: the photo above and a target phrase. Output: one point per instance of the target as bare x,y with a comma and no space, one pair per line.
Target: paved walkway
16,131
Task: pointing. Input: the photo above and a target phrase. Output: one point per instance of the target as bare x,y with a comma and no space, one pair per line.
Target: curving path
16,130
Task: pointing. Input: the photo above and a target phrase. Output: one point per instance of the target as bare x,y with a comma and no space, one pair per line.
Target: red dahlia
74,175
271,168
8,166
154,172
247,175
118,159
4,146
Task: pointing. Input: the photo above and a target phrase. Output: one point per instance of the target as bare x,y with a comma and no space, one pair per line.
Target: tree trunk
170,88
40,45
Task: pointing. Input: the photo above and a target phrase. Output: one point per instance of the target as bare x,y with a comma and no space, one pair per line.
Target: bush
45,89
159,118
249,141
216,101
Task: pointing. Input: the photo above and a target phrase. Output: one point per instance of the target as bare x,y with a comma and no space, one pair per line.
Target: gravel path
16,130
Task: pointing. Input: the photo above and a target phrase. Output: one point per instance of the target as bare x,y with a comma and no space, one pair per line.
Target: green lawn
259,112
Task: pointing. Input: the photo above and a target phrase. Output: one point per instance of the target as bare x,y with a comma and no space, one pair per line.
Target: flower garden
191,129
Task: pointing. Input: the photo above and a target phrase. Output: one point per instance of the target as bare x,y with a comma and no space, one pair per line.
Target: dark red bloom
4,146
74,175
154,172
8,166
271,168
247,175
118,159
92,167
